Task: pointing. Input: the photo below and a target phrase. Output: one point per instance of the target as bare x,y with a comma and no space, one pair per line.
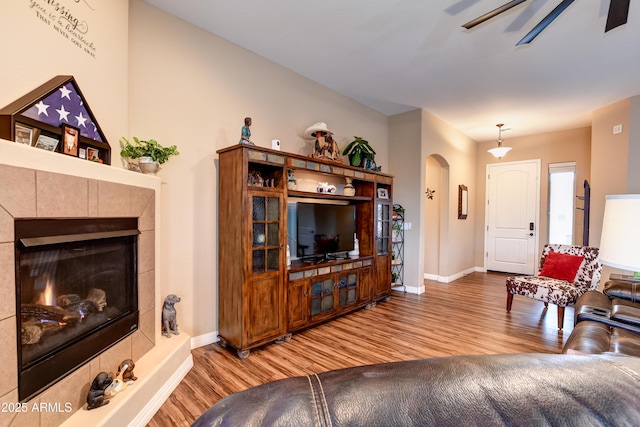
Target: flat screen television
324,229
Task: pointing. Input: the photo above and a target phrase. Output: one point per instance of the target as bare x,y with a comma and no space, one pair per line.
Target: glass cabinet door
383,227
265,234
322,296
347,292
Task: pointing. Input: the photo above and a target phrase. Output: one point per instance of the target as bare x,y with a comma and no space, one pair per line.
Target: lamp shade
499,151
619,244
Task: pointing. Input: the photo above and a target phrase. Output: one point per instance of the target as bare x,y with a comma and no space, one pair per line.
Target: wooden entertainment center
260,298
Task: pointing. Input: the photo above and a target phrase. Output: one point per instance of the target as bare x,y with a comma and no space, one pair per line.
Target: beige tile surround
29,193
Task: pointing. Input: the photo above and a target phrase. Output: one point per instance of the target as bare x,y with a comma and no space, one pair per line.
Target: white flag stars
81,120
65,93
42,108
67,107
64,114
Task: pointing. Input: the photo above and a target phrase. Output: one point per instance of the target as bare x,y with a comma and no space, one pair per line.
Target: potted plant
149,153
394,278
360,153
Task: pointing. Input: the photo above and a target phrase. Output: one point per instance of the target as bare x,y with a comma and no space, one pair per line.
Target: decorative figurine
291,180
246,132
126,369
169,318
355,253
325,147
115,387
326,188
95,397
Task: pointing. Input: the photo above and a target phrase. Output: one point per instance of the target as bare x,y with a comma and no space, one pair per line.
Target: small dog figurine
169,319
126,369
95,397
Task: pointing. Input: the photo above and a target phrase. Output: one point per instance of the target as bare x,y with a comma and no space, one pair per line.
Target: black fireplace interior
76,294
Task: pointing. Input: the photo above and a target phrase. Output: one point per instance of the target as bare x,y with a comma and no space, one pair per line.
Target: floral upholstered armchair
565,273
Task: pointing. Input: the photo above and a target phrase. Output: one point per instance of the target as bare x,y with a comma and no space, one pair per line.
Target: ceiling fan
618,13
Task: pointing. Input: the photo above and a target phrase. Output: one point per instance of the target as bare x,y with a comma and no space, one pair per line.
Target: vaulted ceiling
398,55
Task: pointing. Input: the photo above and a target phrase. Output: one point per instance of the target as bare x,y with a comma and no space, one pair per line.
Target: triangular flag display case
56,117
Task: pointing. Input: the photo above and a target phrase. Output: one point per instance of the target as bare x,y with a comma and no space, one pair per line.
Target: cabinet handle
305,293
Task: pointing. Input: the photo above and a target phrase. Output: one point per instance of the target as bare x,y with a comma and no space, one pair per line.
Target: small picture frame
70,140
82,153
48,143
383,193
24,134
92,154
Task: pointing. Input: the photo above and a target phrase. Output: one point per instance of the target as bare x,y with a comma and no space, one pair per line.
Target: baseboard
205,339
449,279
412,289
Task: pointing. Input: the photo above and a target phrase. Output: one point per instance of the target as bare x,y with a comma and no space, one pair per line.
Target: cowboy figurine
324,147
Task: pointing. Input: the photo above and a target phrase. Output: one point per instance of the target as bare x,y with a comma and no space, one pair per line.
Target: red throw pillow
561,266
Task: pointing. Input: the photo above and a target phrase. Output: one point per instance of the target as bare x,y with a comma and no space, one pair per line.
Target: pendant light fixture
499,151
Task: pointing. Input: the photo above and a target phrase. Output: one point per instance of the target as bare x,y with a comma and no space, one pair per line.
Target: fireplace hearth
76,294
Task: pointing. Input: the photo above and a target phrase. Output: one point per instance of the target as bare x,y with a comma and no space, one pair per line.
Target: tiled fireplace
76,292
32,194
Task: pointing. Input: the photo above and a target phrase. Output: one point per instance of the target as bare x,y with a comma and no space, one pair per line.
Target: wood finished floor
463,317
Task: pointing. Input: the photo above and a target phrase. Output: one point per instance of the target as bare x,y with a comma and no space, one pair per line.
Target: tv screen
324,229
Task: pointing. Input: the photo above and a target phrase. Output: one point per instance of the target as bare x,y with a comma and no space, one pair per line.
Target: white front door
512,217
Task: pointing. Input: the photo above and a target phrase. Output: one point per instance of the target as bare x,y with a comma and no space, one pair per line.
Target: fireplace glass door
73,291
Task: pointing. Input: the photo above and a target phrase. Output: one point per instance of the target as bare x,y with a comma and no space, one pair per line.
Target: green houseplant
149,153
359,151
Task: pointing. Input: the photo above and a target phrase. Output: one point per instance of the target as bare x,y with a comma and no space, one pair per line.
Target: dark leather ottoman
516,389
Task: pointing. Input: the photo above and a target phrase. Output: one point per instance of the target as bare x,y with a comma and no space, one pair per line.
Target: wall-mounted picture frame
24,134
383,193
70,140
82,153
463,202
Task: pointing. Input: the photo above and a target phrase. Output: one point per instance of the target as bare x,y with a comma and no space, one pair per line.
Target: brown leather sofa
488,390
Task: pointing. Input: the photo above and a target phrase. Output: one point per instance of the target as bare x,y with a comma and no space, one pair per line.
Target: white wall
405,161
459,152
415,136
193,89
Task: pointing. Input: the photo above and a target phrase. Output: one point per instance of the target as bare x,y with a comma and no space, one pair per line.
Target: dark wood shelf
310,195
299,265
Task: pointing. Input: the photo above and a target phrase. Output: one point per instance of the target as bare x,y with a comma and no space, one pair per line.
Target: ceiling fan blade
545,22
493,13
618,13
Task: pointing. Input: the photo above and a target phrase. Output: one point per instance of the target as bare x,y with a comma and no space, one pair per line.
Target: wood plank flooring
467,316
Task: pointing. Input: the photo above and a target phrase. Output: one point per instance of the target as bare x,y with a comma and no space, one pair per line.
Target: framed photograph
463,201
70,140
48,143
82,153
383,193
92,154
24,134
